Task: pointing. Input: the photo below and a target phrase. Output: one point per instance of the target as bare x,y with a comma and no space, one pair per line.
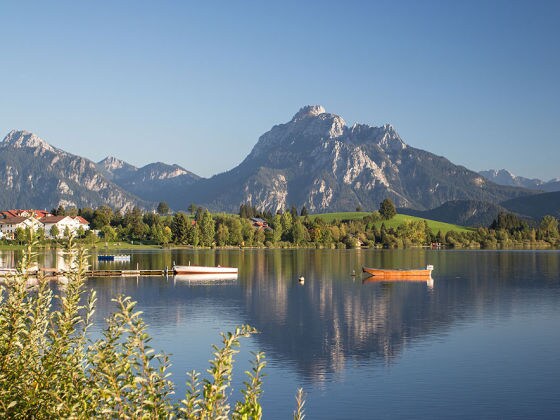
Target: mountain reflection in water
334,325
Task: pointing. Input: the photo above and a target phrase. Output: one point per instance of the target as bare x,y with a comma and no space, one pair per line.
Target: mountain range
505,177
151,182
315,159
35,174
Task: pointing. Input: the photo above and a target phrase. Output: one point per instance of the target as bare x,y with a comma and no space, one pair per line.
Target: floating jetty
115,258
53,272
127,273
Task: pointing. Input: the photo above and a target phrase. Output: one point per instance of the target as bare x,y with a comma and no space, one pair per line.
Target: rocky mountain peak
309,111
313,120
501,173
26,139
391,139
111,163
160,170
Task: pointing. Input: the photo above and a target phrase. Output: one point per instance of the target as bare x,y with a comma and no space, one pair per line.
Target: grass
436,226
396,221
343,215
99,246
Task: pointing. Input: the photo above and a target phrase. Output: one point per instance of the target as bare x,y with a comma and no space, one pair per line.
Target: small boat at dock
199,269
116,258
421,274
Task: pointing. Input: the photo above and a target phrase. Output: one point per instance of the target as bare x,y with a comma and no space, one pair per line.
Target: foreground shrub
50,368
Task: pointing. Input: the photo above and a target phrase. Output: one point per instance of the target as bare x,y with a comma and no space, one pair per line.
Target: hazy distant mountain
34,174
153,182
478,213
505,177
536,206
460,212
316,160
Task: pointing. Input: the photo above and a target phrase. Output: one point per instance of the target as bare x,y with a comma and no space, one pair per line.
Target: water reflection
333,319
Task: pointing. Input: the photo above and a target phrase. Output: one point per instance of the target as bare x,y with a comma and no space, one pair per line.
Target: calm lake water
482,341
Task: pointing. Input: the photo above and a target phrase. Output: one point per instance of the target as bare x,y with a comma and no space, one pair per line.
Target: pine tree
387,209
207,229
163,208
293,212
179,227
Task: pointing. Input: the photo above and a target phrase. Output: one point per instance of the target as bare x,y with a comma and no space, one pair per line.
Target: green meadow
396,221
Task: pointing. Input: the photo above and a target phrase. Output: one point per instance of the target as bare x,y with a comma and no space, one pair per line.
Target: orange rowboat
421,274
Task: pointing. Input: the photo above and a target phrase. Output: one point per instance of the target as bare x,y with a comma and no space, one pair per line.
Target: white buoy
301,279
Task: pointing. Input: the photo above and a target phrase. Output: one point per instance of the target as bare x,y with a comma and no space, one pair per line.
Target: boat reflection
205,278
421,279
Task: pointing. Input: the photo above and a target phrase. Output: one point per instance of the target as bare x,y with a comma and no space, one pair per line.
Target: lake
482,341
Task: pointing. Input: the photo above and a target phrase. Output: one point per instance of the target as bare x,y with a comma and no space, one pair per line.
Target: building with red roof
11,220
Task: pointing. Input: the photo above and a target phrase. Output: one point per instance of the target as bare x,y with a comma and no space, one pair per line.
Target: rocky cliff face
318,161
35,174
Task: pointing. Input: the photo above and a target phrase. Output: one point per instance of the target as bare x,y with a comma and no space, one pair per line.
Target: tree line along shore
382,228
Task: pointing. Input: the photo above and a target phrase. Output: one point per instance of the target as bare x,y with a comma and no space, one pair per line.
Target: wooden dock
53,272
127,273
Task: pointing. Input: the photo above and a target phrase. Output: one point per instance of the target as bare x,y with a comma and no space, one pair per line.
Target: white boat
199,269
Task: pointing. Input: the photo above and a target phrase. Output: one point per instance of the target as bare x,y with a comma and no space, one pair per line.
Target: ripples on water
482,342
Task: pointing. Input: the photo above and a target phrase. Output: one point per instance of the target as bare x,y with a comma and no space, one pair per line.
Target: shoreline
125,246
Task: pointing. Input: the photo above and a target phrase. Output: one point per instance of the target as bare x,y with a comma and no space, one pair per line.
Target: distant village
53,226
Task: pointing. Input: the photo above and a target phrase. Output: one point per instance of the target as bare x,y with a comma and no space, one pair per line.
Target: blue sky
196,83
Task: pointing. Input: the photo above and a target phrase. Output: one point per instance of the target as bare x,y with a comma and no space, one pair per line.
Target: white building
9,225
63,222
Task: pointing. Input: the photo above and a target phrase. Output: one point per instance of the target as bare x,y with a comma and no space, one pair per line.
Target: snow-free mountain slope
316,160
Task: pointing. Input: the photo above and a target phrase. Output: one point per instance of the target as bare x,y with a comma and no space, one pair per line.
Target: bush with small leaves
50,368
